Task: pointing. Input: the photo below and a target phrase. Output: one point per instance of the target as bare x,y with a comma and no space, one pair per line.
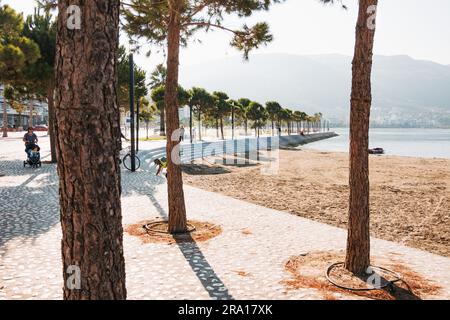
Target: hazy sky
420,29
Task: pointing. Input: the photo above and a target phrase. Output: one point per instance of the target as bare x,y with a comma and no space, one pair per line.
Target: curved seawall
296,140
189,152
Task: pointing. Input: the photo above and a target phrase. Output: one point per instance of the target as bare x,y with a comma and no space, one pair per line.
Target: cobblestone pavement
30,261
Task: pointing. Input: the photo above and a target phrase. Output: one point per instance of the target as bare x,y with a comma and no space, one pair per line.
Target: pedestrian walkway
234,265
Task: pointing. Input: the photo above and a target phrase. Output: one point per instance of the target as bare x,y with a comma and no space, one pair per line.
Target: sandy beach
410,197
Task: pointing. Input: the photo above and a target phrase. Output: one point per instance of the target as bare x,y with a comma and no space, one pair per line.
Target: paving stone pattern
234,265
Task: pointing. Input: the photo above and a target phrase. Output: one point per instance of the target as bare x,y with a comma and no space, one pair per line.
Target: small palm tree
287,116
258,114
222,108
158,96
298,118
158,76
158,80
235,111
273,109
199,102
245,103
147,113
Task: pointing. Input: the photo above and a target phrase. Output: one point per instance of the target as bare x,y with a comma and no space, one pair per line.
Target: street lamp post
137,124
133,150
190,123
232,122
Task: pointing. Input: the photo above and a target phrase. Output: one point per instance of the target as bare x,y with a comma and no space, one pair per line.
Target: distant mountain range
406,92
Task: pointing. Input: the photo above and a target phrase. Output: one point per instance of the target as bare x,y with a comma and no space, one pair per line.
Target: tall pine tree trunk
88,145
177,209
199,125
162,125
358,241
232,123
221,128
190,123
51,121
217,128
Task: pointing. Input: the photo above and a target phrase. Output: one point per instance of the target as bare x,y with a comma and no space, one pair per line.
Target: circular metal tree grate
386,278
162,227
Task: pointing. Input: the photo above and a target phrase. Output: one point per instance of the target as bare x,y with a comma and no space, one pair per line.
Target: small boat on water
376,151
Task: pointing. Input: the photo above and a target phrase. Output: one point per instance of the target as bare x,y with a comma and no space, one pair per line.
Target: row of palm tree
217,108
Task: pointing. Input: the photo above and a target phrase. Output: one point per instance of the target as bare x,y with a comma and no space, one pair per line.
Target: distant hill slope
404,89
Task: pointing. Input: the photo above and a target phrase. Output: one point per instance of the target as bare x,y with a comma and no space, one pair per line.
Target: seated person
162,165
34,155
30,140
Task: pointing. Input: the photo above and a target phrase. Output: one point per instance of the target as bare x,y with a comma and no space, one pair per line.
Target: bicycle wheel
127,162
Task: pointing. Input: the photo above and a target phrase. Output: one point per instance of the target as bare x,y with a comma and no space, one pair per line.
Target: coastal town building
16,118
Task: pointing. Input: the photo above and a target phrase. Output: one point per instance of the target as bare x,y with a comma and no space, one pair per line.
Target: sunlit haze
420,29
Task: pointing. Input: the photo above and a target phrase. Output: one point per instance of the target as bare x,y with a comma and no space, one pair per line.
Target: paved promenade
30,261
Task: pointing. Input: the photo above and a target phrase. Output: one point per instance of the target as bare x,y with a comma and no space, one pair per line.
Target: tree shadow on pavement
203,270
144,182
30,208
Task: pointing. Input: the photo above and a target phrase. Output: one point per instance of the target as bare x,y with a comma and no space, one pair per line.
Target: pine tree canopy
148,19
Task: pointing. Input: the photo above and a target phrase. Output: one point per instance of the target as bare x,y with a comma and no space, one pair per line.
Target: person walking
194,134
182,133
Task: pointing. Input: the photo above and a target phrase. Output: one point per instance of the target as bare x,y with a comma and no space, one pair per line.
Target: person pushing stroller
31,141
31,148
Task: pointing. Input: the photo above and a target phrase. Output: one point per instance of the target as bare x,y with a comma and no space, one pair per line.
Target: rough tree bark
358,240
88,144
177,209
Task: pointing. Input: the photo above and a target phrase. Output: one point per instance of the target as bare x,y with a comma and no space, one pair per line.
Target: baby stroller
34,157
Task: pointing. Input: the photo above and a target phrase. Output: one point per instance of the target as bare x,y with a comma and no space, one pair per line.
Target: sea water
423,143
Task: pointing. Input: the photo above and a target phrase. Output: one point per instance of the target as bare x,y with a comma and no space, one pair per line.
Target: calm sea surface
424,143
